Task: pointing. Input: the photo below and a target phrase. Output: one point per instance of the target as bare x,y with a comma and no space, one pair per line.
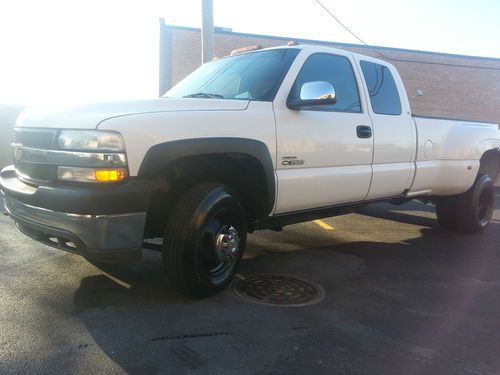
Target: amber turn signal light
110,175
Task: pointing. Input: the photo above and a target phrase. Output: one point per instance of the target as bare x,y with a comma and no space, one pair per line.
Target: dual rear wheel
471,211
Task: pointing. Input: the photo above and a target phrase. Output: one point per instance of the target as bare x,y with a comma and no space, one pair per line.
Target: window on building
336,70
384,95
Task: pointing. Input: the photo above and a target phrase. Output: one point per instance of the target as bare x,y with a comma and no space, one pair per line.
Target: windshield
250,76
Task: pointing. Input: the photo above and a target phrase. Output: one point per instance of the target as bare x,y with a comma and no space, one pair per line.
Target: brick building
437,84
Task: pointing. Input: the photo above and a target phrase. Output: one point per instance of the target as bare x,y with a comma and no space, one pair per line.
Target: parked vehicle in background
257,140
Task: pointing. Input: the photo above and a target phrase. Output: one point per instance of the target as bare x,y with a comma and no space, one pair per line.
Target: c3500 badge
292,161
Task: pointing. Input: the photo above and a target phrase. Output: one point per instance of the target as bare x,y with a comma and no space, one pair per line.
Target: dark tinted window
384,94
334,69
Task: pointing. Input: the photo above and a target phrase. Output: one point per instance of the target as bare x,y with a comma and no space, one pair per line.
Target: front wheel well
242,173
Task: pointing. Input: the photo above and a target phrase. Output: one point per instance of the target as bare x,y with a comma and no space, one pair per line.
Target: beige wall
469,91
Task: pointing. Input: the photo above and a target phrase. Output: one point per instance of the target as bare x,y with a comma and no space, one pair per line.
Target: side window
384,94
336,70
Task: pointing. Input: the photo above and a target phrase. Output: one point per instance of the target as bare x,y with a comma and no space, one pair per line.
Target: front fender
159,156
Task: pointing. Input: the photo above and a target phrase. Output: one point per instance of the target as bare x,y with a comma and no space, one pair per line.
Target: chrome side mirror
314,93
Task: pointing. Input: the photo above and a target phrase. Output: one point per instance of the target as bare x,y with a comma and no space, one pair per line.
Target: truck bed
448,153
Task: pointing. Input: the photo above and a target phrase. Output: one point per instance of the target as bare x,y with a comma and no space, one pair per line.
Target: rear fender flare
490,163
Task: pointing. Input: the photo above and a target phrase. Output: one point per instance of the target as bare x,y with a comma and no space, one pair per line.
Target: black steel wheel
204,240
475,207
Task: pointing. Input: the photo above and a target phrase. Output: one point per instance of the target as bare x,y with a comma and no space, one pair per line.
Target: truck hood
88,116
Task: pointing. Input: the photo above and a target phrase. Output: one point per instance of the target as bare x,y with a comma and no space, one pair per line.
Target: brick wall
470,90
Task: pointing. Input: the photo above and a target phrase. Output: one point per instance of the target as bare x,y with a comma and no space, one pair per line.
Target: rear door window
384,95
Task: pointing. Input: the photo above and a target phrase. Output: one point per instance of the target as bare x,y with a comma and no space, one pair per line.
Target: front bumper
103,223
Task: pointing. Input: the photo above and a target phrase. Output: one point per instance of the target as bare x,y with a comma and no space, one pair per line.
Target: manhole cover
278,290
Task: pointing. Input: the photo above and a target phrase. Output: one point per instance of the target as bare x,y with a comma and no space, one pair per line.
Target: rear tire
204,240
475,207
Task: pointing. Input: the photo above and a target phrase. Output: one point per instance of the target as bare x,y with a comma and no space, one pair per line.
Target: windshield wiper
204,95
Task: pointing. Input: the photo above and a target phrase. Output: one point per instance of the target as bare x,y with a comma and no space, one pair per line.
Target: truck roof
314,48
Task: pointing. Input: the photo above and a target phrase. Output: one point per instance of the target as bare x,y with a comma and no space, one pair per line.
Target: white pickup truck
256,140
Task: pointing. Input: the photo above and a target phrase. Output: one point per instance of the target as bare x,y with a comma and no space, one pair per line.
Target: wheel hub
227,243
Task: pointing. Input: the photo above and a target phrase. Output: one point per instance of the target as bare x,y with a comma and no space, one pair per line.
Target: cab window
336,70
384,95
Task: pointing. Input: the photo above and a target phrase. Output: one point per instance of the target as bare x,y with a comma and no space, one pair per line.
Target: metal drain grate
278,290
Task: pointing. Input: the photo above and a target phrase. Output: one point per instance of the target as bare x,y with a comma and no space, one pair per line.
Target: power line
349,30
392,58
340,23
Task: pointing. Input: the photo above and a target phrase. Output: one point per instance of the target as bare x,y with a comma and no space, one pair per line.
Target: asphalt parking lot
401,297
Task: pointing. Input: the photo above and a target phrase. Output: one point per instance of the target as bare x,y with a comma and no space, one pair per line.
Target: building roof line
221,30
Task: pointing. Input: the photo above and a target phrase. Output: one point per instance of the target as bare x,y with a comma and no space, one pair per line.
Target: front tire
204,240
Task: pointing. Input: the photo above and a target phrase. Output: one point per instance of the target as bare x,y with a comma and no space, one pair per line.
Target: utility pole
207,31
165,68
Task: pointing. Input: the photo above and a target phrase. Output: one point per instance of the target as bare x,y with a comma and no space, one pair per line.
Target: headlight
90,140
91,156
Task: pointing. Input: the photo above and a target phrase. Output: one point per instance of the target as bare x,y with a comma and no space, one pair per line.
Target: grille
34,172
43,138
34,138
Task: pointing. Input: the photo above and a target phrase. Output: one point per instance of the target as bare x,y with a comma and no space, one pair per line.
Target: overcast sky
56,51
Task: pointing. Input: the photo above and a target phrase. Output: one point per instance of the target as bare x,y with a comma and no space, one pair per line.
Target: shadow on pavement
424,305
400,215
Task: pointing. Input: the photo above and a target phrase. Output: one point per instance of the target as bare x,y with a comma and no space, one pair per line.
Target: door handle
364,131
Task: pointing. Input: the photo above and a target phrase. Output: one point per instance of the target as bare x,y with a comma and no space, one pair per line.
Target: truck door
393,128
324,152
